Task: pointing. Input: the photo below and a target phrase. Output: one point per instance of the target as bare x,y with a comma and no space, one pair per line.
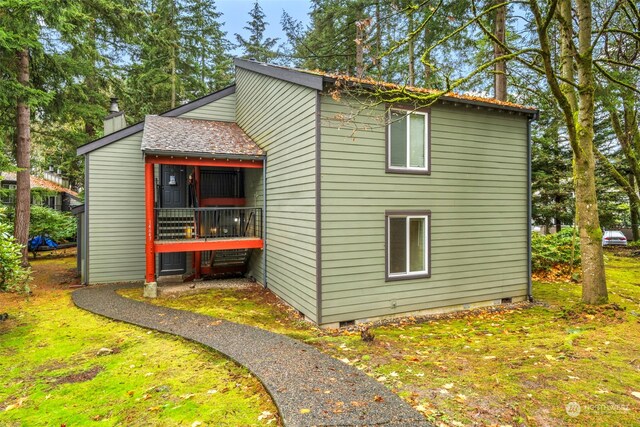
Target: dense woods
577,61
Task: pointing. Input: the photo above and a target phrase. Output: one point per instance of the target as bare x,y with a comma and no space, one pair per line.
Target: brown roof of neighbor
205,137
39,183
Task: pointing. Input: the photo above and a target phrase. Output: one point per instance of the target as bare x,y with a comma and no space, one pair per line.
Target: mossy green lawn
51,373
516,367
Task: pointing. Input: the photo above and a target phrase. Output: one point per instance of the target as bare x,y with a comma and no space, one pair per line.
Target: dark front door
173,194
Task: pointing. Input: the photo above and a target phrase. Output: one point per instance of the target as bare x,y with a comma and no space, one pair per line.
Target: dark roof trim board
446,100
203,155
301,78
130,130
77,210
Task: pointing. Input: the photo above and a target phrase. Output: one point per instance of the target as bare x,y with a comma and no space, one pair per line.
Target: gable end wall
116,202
476,192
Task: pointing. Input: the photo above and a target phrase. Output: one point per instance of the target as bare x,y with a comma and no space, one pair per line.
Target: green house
347,212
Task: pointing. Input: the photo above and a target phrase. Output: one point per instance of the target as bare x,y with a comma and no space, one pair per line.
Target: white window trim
426,242
408,114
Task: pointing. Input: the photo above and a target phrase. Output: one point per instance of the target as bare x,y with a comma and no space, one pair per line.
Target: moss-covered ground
520,366
51,373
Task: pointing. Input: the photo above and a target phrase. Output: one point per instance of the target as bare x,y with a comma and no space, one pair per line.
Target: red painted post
198,255
149,190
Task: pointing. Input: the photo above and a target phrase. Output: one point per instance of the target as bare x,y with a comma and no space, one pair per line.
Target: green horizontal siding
116,212
280,117
253,192
223,110
116,202
477,193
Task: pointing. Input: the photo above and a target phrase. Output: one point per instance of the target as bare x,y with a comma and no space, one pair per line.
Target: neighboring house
346,215
55,195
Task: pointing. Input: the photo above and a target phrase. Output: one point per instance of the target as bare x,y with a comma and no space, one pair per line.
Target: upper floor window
408,142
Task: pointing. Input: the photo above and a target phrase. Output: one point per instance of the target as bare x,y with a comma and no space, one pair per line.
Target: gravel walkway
308,387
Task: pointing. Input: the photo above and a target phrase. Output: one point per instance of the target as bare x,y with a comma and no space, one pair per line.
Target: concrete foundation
150,290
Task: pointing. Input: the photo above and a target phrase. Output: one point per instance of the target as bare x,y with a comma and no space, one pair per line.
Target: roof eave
533,113
312,81
165,153
135,128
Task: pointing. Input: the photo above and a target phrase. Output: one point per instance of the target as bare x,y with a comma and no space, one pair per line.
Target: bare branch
606,23
620,63
613,79
631,34
616,175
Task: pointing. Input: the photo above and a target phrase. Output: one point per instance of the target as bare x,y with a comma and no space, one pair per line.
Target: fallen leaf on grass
378,398
264,415
196,423
448,386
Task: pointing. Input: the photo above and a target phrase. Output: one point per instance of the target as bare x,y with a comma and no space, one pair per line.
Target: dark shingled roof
191,136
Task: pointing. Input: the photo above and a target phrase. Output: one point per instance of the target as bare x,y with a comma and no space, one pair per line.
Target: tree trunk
412,54
500,68
173,77
634,209
378,41
359,49
594,285
23,154
557,222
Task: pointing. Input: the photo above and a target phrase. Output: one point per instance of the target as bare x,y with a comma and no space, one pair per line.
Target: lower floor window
407,244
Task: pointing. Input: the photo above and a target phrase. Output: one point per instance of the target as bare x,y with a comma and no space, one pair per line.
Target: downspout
264,222
529,210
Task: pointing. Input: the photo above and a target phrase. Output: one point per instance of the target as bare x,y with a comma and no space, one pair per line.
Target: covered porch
204,201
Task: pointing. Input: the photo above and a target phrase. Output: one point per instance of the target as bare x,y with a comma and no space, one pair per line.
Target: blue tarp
37,241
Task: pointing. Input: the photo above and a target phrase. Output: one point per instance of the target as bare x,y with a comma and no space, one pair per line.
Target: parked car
614,238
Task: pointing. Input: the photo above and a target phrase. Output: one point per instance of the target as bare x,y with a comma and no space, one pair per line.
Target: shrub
553,249
57,225
13,277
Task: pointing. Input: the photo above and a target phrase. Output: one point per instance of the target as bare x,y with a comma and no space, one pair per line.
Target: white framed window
408,142
407,245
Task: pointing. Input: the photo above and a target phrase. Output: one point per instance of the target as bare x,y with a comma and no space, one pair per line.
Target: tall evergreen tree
180,55
205,46
38,37
257,46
